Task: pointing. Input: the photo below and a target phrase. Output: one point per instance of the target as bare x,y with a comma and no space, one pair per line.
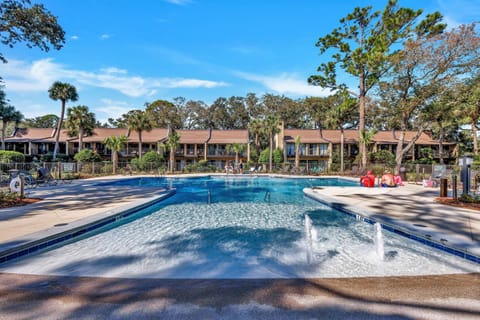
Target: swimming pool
252,227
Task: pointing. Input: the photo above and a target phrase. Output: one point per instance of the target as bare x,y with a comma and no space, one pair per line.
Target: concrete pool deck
422,297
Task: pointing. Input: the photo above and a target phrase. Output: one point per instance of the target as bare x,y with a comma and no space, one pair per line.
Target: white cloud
189,83
113,70
459,12
38,76
74,37
105,36
111,109
179,2
286,84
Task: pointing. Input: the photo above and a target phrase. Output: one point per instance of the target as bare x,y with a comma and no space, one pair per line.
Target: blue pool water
252,227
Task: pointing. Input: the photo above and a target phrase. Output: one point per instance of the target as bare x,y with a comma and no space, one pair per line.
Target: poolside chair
44,177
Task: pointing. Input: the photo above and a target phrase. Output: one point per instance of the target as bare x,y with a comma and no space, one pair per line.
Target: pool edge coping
33,242
394,226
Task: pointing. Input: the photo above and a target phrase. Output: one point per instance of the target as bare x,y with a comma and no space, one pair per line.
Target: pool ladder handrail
267,197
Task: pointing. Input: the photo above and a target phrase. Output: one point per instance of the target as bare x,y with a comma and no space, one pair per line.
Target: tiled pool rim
36,245
402,232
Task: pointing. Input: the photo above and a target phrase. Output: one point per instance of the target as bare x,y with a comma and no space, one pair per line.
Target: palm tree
237,148
116,144
256,128
342,111
138,120
172,144
80,121
366,138
298,142
8,114
271,127
63,92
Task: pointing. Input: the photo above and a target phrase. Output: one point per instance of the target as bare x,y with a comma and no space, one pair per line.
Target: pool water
254,227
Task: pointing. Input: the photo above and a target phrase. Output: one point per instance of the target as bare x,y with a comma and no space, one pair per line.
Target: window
323,149
290,150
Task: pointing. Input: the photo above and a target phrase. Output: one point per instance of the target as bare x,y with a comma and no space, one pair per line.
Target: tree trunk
271,153
399,152
440,142
361,122
297,157
342,165
57,134
80,139
4,124
475,138
172,160
140,144
115,161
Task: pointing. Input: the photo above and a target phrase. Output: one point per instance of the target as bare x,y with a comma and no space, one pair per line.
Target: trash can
443,187
403,173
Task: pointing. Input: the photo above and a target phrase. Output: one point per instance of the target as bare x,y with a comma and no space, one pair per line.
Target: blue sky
120,54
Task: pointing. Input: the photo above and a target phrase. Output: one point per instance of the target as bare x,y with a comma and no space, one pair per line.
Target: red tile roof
193,136
228,136
351,136
29,134
155,135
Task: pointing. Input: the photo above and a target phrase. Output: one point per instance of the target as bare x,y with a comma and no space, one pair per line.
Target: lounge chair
44,177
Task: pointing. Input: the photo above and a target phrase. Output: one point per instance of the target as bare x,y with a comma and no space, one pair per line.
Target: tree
22,22
138,120
236,148
194,114
441,114
340,114
63,92
80,121
164,114
364,46
46,121
469,102
317,108
271,124
298,143
256,128
424,70
238,112
219,115
116,144
7,114
172,144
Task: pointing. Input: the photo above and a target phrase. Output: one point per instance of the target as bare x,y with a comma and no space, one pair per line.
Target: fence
412,172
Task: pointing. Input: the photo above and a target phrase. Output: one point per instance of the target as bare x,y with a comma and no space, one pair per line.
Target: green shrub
9,198
87,168
382,156
152,157
264,156
277,156
136,164
107,168
48,157
426,156
200,167
150,161
11,156
87,155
